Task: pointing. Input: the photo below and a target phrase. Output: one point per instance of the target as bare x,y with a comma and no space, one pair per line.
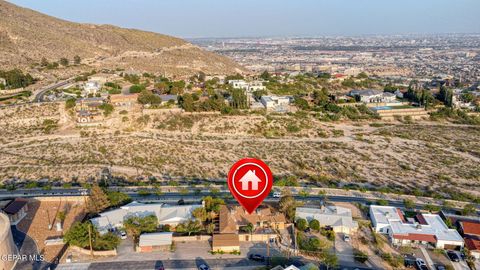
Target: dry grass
432,157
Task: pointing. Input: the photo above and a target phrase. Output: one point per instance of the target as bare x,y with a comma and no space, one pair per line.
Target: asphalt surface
41,93
28,247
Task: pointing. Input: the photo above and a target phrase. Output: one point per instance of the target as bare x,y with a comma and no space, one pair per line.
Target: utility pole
90,239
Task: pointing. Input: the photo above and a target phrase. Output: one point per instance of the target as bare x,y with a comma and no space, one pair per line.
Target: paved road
41,93
174,197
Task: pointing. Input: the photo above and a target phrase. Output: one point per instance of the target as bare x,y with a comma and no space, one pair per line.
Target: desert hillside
26,36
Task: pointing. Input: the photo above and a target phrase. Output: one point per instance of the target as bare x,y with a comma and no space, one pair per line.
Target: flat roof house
423,229
166,215
16,210
338,218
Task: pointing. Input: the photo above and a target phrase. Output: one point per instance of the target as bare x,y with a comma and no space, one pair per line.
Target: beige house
233,218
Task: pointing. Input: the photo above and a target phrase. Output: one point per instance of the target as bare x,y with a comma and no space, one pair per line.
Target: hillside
26,36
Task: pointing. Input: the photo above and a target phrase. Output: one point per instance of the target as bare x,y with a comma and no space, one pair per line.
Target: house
473,245
276,103
247,86
233,218
149,242
335,217
471,233
422,229
470,229
225,242
88,109
121,100
250,179
372,96
166,215
16,210
92,87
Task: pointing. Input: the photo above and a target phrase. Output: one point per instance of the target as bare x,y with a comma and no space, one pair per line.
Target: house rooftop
15,206
328,215
469,227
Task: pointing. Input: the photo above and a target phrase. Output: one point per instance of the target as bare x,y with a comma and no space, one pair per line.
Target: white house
247,86
276,103
92,87
338,218
423,229
373,96
166,215
250,179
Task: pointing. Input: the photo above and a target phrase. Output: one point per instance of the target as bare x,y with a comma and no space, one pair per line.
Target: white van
277,194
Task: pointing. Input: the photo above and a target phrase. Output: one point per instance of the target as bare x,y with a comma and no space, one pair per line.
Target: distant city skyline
271,18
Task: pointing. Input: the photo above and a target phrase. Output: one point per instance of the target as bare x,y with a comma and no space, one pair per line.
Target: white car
421,264
123,235
277,194
346,238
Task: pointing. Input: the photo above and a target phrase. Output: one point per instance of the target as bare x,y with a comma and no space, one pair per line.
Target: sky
271,18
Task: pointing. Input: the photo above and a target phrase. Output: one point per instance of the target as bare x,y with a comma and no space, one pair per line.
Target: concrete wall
95,253
7,247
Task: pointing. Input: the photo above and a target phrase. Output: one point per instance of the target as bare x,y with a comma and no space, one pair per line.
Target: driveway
26,246
344,250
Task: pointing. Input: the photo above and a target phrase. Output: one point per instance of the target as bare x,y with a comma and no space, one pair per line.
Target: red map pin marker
250,181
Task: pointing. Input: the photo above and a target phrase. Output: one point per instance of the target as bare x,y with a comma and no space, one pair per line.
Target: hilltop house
92,87
373,96
88,109
423,229
166,215
247,86
335,217
275,103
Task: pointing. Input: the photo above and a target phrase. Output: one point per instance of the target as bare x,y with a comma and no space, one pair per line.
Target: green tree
431,208
265,76
301,224
79,235
136,88
189,227
314,224
239,99
186,102
148,97
70,103
409,204
210,228
469,209
98,200
64,62
77,60
200,214
382,202
249,228
138,225
116,198
288,205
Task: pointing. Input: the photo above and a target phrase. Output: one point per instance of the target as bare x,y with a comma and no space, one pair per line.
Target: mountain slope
26,36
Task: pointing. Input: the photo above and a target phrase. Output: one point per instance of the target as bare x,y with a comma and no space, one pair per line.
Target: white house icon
250,177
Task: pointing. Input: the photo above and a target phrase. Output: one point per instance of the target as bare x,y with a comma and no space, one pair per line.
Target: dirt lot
432,156
40,214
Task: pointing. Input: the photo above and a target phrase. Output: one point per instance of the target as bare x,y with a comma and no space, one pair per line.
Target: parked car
256,257
440,267
421,265
346,238
203,267
453,256
123,235
277,194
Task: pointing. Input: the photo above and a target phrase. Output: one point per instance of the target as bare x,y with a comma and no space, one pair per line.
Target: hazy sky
241,18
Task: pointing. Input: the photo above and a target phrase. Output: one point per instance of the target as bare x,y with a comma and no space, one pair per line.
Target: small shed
155,241
225,242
